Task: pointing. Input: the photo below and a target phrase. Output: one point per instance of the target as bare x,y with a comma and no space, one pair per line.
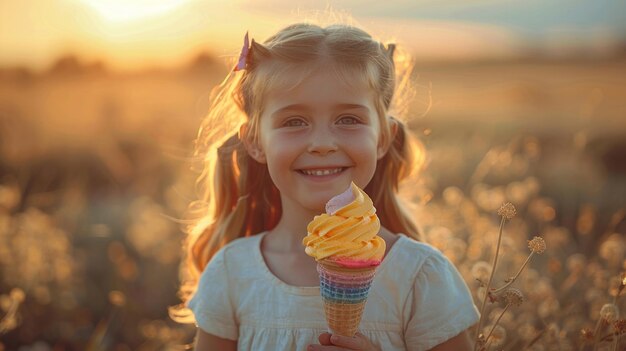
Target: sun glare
127,11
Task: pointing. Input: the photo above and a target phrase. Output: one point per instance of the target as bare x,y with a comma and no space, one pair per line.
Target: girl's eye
349,120
295,122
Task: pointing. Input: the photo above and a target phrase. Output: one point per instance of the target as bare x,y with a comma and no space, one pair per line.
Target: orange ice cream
348,233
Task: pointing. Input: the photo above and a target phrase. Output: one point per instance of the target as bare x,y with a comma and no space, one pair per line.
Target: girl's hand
331,342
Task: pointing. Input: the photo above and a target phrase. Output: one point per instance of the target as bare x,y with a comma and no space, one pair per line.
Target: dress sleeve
211,304
439,306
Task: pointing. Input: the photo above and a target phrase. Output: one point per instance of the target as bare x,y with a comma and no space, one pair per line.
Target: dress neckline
309,290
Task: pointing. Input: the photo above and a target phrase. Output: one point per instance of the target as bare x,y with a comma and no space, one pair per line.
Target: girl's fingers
341,343
357,342
325,348
324,339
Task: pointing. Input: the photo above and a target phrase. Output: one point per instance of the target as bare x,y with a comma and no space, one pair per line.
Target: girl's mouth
322,172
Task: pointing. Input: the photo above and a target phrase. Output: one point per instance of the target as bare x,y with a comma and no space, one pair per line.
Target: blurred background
100,100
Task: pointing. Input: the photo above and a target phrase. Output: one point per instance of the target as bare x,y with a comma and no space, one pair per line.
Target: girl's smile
322,174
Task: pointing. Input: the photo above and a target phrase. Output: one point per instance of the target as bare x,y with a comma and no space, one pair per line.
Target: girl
303,115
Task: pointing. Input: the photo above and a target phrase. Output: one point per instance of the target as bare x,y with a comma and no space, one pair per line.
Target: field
95,168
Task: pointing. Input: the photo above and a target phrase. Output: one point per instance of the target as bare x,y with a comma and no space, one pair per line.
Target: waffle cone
344,292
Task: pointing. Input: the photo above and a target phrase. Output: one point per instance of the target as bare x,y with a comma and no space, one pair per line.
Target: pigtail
401,161
248,201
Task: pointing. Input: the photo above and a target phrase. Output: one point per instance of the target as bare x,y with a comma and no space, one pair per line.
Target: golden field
95,170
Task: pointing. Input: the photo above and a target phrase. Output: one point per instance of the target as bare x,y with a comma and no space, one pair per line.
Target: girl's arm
460,342
210,342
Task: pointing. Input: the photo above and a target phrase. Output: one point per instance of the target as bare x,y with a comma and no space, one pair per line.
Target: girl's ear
384,147
254,149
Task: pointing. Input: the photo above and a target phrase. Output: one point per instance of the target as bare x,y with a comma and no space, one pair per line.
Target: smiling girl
301,117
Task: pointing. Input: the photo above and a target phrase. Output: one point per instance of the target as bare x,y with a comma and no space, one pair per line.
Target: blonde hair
237,197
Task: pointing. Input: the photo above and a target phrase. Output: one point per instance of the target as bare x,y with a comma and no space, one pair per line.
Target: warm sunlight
125,11
119,142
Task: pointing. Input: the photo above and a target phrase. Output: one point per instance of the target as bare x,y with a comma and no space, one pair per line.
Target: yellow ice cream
348,232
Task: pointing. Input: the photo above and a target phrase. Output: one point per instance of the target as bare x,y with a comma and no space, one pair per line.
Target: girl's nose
322,142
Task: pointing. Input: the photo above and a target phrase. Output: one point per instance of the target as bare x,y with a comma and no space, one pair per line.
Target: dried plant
9,304
511,296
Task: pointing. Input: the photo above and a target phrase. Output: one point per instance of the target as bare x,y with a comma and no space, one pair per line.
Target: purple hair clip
243,57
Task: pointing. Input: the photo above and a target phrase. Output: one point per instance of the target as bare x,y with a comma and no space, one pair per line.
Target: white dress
417,301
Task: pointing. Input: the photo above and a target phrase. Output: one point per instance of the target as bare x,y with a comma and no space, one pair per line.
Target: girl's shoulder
239,250
243,243
407,247
411,257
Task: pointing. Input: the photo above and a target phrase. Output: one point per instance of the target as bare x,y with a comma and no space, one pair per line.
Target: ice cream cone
345,243
344,291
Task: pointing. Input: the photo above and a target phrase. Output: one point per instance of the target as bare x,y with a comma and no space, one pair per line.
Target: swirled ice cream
347,233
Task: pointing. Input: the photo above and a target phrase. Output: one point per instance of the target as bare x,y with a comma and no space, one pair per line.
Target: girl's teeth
320,172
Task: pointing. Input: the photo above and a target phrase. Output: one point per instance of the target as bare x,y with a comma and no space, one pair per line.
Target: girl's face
317,138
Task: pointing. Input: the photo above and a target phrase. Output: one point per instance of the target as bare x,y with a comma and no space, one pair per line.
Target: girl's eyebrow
292,107
351,106
305,107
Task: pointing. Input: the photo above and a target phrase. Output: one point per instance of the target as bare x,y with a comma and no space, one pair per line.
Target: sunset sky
129,34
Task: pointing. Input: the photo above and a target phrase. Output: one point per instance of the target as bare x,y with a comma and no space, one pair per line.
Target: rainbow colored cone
344,292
